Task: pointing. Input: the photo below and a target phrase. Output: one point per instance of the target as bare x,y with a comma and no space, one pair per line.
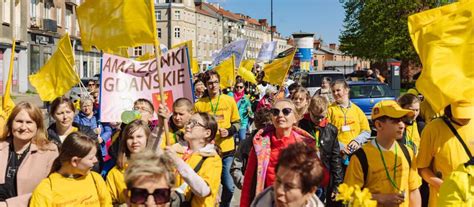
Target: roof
329,50
203,12
229,14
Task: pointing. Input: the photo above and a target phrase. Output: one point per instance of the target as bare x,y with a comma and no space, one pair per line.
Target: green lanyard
394,166
214,110
409,139
345,113
316,135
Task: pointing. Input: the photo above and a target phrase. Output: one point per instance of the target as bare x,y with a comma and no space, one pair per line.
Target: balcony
50,25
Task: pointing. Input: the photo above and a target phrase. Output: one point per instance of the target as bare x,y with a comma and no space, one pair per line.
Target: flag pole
6,101
158,68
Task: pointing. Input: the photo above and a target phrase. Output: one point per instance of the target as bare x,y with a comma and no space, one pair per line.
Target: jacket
258,168
34,168
239,163
82,119
245,111
329,151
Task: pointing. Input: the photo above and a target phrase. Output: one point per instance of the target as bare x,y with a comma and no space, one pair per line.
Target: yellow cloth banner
275,72
247,75
444,39
110,25
248,64
57,76
227,72
7,102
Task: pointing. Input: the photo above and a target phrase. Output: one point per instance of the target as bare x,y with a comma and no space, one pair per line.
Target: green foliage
378,29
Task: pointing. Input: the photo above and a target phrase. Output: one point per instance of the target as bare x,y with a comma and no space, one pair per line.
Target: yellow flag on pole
247,75
443,38
275,72
226,72
7,102
194,66
110,25
248,64
57,76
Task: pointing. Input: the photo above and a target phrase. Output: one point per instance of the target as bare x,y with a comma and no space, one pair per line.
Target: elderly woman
268,99
26,155
149,179
267,145
86,116
298,174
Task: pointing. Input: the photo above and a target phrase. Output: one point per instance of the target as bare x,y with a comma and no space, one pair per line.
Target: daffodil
345,193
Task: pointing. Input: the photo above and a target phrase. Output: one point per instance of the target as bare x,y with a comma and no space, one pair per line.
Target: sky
322,17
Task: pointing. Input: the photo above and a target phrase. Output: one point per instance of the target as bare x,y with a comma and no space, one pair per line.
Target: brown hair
124,152
303,160
262,118
145,101
318,104
36,115
340,82
58,101
407,99
209,123
76,144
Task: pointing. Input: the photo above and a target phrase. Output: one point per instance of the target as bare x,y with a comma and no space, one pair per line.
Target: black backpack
360,154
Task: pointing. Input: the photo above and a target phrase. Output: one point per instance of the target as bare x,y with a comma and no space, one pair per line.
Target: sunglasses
192,123
239,87
285,111
405,120
140,195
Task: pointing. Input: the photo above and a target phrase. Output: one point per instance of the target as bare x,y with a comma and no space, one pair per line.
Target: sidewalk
32,98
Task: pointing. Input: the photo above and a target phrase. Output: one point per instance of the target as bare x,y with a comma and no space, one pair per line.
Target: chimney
332,46
316,44
263,22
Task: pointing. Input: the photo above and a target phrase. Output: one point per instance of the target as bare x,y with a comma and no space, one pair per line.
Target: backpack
360,154
179,199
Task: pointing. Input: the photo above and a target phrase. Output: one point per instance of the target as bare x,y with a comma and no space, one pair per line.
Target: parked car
366,94
312,80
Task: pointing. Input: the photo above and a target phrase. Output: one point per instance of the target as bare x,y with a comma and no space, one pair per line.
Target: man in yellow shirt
183,109
386,168
225,110
440,150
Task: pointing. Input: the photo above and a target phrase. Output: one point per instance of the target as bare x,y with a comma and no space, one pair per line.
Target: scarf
238,95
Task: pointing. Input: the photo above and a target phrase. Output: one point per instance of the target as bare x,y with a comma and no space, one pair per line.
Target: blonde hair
41,139
318,104
124,152
150,163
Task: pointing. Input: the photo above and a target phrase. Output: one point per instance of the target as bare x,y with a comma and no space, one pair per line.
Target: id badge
346,128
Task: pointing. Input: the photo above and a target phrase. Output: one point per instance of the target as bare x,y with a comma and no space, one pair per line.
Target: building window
158,15
6,11
177,15
59,11
137,51
177,32
68,18
33,4
159,32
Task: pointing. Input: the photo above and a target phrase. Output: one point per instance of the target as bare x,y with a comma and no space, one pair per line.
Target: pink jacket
35,167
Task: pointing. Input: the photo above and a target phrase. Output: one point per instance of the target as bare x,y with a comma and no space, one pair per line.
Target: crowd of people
280,145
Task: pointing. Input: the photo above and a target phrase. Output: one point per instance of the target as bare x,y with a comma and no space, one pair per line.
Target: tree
378,30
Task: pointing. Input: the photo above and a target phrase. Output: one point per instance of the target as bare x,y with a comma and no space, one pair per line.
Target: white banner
236,48
266,51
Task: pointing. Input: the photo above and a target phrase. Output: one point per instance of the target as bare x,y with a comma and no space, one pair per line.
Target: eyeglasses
140,195
212,82
91,84
285,111
192,123
239,87
142,109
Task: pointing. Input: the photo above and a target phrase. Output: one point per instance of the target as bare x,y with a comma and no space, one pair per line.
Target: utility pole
271,19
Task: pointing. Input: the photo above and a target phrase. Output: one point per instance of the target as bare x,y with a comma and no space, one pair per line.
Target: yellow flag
226,72
7,102
247,75
248,64
110,25
145,57
275,72
443,38
57,76
194,66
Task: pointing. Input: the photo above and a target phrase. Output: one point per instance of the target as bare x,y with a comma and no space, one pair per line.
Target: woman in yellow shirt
134,140
71,182
199,169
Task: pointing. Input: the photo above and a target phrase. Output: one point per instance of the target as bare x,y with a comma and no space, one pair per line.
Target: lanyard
316,135
345,112
214,110
394,166
409,139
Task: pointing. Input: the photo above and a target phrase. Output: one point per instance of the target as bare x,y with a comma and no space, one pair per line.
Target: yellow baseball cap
463,109
391,109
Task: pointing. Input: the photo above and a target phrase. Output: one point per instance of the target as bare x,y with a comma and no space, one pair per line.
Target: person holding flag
226,113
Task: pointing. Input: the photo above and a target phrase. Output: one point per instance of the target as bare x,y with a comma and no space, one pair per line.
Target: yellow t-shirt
353,117
116,185
210,171
173,138
413,136
225,110
427,112
458,189
407,179
57,190
441,150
